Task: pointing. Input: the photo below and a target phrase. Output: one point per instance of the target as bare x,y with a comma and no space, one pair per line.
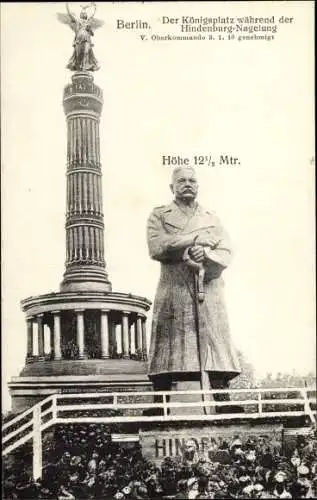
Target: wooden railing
55,409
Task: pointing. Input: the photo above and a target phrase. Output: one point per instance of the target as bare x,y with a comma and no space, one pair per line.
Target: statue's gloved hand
196,253
207,239
190,261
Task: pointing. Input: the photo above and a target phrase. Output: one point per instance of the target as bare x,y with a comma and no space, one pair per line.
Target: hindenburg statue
190,332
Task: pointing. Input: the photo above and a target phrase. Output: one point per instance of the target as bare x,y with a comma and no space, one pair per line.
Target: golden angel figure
83,58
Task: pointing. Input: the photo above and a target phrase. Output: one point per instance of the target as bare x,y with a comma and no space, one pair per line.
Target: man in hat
190,452
302,476
182,236
93,463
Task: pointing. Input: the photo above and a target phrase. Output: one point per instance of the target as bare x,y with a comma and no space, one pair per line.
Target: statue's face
184,184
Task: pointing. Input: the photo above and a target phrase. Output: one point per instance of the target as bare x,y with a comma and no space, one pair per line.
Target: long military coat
173,346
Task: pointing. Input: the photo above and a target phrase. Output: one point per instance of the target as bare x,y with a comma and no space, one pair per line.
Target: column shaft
51,327
90,125
40,333
85,192
104,334
77,174
144,343
97,139
125,335
90,206
57,335
29,349
113,339
83,198
138,336
80,334
86,157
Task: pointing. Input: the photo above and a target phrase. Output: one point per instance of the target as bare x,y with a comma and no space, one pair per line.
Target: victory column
97,337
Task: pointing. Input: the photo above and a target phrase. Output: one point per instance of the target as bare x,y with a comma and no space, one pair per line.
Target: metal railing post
307,408
37,443
215,406
54,407
165,405
260,408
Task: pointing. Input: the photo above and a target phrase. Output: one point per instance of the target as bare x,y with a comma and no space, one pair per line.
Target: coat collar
174,216
174,208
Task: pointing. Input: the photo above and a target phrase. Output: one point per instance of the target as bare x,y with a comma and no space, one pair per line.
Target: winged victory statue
83,58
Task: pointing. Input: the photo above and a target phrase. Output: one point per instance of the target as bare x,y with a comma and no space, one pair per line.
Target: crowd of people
83,463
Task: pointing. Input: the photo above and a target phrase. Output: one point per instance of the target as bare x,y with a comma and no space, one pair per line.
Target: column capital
126,313
141,315
105,311
40,315
56,312
79,310
29,318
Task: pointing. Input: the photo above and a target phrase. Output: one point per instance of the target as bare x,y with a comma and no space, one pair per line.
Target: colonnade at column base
86,325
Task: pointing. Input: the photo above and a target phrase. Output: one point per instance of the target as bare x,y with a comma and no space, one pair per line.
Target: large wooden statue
190,331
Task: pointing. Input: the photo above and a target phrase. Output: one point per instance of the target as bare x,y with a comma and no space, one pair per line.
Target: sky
253,100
